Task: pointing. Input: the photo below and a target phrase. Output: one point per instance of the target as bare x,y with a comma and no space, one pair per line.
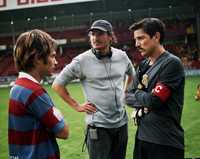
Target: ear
157,36
37,61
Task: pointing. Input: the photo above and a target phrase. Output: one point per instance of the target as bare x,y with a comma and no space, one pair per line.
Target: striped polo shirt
33,121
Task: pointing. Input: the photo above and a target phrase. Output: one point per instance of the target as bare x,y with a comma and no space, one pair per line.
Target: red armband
162,91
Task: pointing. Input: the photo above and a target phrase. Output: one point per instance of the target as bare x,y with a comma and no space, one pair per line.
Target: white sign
21,4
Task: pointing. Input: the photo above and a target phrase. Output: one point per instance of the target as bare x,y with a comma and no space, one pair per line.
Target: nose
137,43
55,61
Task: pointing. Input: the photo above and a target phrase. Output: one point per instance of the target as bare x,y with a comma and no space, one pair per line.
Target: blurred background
67,21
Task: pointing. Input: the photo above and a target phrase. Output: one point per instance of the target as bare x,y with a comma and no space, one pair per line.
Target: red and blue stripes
32,123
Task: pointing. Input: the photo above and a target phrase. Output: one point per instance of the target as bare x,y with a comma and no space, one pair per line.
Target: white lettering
19,4
158,89
14,157
28,2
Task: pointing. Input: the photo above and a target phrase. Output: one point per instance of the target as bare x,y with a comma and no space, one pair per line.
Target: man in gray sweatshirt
101,70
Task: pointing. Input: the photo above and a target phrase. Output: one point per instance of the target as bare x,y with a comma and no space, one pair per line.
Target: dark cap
102,25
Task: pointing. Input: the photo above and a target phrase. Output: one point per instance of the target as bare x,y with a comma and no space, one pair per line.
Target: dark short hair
32,44
150,26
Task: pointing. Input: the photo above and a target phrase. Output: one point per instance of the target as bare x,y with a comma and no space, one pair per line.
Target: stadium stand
70,23
76,42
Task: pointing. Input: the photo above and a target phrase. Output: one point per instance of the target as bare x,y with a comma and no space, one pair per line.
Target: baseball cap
102,25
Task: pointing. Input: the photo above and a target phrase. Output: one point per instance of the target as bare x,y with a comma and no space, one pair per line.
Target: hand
197,98
87,107
137,114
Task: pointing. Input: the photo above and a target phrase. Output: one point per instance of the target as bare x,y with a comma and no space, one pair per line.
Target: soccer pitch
72,148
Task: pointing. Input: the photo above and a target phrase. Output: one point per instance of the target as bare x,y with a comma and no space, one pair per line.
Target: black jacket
161,125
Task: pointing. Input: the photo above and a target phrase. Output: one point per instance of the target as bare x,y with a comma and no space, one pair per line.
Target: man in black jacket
158,95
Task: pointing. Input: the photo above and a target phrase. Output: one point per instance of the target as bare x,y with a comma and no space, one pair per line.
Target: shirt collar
28,76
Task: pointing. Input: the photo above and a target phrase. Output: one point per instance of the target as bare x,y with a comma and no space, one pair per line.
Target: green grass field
71,148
